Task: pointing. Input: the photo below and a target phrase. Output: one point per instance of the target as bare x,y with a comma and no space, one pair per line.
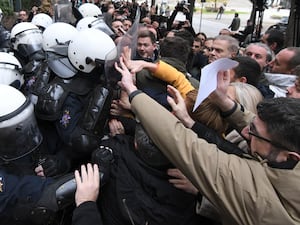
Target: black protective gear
95,117
52,96
56,196
54,165
83,133
103,157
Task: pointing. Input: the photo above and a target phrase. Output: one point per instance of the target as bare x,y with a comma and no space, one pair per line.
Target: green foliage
6,7
27,4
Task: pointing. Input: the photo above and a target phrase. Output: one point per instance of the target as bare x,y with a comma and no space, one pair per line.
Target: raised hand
219,96
87,184
127,81
178,106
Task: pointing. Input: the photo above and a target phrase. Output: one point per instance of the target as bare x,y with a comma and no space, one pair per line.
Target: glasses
253,132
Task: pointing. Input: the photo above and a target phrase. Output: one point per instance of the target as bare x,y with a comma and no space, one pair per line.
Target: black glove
54,165
103,157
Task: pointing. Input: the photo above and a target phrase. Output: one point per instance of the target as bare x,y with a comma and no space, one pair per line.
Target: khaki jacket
245,191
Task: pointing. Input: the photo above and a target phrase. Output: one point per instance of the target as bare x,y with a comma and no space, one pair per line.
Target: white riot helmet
92,22
26,38
89,10
10,70
19,133
85,23
56,39
57,36
90,48
42,20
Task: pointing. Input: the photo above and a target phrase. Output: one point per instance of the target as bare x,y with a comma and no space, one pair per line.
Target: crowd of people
98,123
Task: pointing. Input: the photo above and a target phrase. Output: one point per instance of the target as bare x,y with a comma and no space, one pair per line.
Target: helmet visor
19,133
100,24
61,66
28,42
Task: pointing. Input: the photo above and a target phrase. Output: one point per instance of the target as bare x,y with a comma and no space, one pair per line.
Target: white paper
208,80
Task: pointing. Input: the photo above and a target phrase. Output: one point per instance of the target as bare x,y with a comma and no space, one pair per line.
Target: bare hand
219,96
181,182
121,106
133,65
39,170
126,82
116,127
87,184
178,106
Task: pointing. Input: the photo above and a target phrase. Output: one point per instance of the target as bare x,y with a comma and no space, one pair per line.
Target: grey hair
270,53
233,43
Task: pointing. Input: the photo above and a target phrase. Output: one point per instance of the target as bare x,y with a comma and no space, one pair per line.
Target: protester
261,53
274,38
247,71
22,16
224,46
146,46
88,184
285,61
244,179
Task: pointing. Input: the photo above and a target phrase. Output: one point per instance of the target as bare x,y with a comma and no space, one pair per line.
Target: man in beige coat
259,190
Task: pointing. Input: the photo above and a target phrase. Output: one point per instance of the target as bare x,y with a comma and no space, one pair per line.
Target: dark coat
143,193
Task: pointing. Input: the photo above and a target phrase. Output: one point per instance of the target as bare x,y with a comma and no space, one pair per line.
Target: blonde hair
247,95
206,113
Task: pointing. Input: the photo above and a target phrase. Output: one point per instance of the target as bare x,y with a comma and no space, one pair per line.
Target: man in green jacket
258,190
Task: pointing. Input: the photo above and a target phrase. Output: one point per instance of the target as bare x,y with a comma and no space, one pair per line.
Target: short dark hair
275,36
147,33
186,35
282,119
201,33
248,68
175,47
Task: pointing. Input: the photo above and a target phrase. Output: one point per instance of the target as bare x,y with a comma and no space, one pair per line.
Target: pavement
210,26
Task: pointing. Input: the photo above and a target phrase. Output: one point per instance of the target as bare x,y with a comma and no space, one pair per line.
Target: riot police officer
25,198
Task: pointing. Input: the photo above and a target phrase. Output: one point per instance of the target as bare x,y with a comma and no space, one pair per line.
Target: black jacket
141,193
87,213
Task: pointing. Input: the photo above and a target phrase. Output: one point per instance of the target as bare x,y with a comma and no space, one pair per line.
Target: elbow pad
51,94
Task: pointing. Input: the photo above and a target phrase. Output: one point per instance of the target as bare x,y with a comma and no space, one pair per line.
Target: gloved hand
53,165
103,157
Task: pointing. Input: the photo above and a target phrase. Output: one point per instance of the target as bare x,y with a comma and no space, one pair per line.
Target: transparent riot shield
128,39
63,12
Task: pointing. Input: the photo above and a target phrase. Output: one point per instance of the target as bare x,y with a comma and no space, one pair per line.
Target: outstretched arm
160,70
86,195
87,184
